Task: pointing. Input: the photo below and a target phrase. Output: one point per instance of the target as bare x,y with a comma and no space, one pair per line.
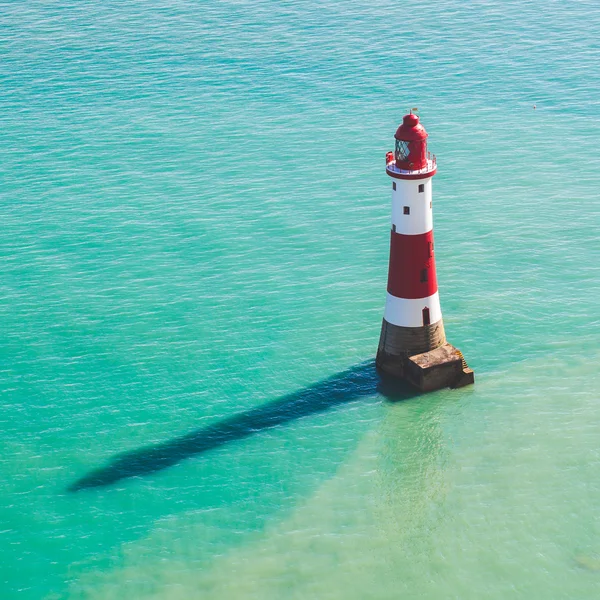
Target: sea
194,239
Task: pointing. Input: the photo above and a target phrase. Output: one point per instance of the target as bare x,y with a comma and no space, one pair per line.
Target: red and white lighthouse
413,343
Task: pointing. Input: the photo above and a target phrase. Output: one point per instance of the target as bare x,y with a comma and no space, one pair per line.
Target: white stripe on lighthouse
406,312
420,217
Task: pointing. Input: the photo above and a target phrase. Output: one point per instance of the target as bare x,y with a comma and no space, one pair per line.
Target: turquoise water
195,224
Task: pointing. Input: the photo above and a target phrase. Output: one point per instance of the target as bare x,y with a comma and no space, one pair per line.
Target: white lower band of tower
406,312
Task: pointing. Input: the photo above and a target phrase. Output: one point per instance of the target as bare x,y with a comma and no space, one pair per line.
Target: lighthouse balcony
427,171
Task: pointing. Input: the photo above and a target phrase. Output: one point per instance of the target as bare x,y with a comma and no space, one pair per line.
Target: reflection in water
411,471
358,381
370,527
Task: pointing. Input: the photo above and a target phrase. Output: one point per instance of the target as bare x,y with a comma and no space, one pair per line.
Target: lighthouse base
440,368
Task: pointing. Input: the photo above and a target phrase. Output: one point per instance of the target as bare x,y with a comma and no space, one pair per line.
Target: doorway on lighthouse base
426,318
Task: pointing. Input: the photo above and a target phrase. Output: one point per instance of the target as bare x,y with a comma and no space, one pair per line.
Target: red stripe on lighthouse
412,266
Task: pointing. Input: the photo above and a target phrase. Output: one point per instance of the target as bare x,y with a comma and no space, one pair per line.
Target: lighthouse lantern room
413,343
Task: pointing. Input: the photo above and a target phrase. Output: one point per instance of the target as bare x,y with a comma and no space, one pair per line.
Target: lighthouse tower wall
419,217
411,252
408,312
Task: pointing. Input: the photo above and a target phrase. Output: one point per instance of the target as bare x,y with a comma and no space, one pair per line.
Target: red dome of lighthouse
411,130
411,144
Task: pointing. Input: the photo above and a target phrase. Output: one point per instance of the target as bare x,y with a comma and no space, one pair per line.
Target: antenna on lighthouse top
413,109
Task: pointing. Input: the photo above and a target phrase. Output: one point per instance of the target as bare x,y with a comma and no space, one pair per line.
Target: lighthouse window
401,150
407,210
393,185
423,275
421,188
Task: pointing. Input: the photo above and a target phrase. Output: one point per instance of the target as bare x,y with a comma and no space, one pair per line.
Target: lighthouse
413,344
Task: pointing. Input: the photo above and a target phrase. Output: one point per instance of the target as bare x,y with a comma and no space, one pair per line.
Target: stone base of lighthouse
422,357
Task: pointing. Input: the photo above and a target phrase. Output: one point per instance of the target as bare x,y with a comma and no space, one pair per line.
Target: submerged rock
591,562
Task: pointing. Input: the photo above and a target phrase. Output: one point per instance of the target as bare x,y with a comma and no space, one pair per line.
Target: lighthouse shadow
359,381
